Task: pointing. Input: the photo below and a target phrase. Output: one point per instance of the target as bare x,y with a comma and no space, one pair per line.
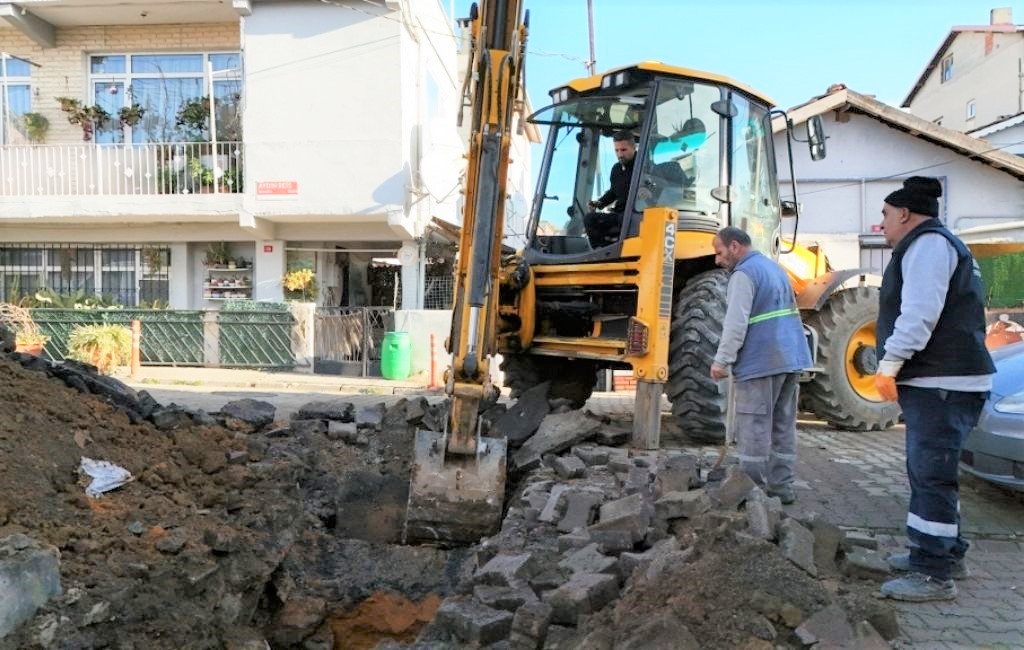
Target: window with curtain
15,98
173,91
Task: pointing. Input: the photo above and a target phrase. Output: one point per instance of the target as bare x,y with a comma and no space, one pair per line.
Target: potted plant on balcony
231,181
217,254
129,116
194,119
36,127
69,104
202,176
89,118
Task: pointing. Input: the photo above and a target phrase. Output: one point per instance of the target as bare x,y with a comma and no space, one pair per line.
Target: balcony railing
120,169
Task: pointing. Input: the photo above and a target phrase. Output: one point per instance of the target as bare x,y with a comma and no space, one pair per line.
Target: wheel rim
862,362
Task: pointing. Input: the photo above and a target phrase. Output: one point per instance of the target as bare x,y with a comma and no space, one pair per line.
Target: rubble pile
237,530
234,531
603,547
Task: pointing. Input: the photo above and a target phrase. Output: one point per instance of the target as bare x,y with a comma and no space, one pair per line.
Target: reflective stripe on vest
778,313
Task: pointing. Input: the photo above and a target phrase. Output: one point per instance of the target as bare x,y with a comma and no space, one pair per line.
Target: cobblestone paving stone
857,480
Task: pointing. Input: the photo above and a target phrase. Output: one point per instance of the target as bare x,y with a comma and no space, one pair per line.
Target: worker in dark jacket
603,227
931,343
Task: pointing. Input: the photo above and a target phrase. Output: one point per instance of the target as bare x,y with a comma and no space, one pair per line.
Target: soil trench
240,531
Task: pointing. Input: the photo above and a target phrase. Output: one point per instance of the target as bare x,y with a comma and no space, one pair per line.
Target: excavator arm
498,46
457,488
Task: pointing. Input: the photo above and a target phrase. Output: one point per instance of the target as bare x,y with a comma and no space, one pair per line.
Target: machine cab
697,143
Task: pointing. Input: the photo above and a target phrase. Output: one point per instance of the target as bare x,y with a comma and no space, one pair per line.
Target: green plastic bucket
396,355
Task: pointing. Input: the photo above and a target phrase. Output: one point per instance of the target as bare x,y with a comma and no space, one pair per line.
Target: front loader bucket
454,500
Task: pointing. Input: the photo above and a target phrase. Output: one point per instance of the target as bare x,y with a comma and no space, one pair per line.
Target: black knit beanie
919,194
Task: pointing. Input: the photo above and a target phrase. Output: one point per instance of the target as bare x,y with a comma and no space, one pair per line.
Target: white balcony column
179,278
268,270
412,281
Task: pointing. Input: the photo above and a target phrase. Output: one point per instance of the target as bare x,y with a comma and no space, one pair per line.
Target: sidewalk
169,376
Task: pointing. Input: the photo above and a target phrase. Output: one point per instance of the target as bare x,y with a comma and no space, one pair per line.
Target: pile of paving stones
590,522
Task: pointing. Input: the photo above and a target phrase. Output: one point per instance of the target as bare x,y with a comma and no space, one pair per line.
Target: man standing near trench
763,340
931,342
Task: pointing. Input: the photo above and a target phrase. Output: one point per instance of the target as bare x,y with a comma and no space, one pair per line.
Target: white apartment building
973,79
333,145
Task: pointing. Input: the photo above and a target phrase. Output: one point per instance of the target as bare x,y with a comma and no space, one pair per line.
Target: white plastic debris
106,476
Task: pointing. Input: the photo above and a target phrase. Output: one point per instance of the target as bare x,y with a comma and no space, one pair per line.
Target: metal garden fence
348,339
244,334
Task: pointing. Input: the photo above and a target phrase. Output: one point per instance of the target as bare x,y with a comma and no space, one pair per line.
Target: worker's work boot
918,588
901,562
785,494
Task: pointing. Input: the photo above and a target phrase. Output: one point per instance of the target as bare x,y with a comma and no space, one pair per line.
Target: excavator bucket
454,499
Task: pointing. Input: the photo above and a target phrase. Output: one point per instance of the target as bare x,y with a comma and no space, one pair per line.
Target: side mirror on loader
816,138
789,209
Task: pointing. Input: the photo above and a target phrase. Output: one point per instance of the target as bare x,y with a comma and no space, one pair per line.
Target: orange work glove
886,386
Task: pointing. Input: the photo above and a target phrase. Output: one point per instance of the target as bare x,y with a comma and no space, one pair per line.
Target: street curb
304,386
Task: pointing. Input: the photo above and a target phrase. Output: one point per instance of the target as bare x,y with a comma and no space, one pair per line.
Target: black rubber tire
698,401
829,394
572,379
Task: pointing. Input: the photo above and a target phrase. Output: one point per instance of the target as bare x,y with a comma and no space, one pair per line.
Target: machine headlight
559,95
1011,403
615,79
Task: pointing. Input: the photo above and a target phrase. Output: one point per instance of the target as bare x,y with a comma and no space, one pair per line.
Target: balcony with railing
79,170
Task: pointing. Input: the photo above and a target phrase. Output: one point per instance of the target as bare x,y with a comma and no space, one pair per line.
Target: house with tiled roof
872,148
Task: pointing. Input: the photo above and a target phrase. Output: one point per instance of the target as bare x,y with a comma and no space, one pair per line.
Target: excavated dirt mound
283,535
157,541
732,596
224,538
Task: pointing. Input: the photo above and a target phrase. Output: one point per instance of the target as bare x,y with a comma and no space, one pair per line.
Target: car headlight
1011,403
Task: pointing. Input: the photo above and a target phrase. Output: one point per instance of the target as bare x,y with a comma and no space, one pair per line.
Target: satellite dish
443,161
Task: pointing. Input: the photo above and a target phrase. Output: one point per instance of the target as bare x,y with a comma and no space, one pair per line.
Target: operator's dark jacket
616,194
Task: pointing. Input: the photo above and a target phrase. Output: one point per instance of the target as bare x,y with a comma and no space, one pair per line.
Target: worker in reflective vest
764,344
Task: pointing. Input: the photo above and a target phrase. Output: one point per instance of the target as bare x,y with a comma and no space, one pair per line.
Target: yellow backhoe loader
643,294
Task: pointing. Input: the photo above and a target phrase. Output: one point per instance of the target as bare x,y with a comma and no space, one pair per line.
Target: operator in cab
603,227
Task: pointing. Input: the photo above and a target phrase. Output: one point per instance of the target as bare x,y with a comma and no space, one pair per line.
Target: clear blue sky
790,50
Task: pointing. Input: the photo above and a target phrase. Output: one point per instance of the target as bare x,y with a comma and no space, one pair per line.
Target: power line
576,59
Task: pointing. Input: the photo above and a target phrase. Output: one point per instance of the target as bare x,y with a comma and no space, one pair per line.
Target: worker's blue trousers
937,421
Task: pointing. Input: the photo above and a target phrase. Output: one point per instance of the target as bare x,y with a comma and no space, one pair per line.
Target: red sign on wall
277,188
268,248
